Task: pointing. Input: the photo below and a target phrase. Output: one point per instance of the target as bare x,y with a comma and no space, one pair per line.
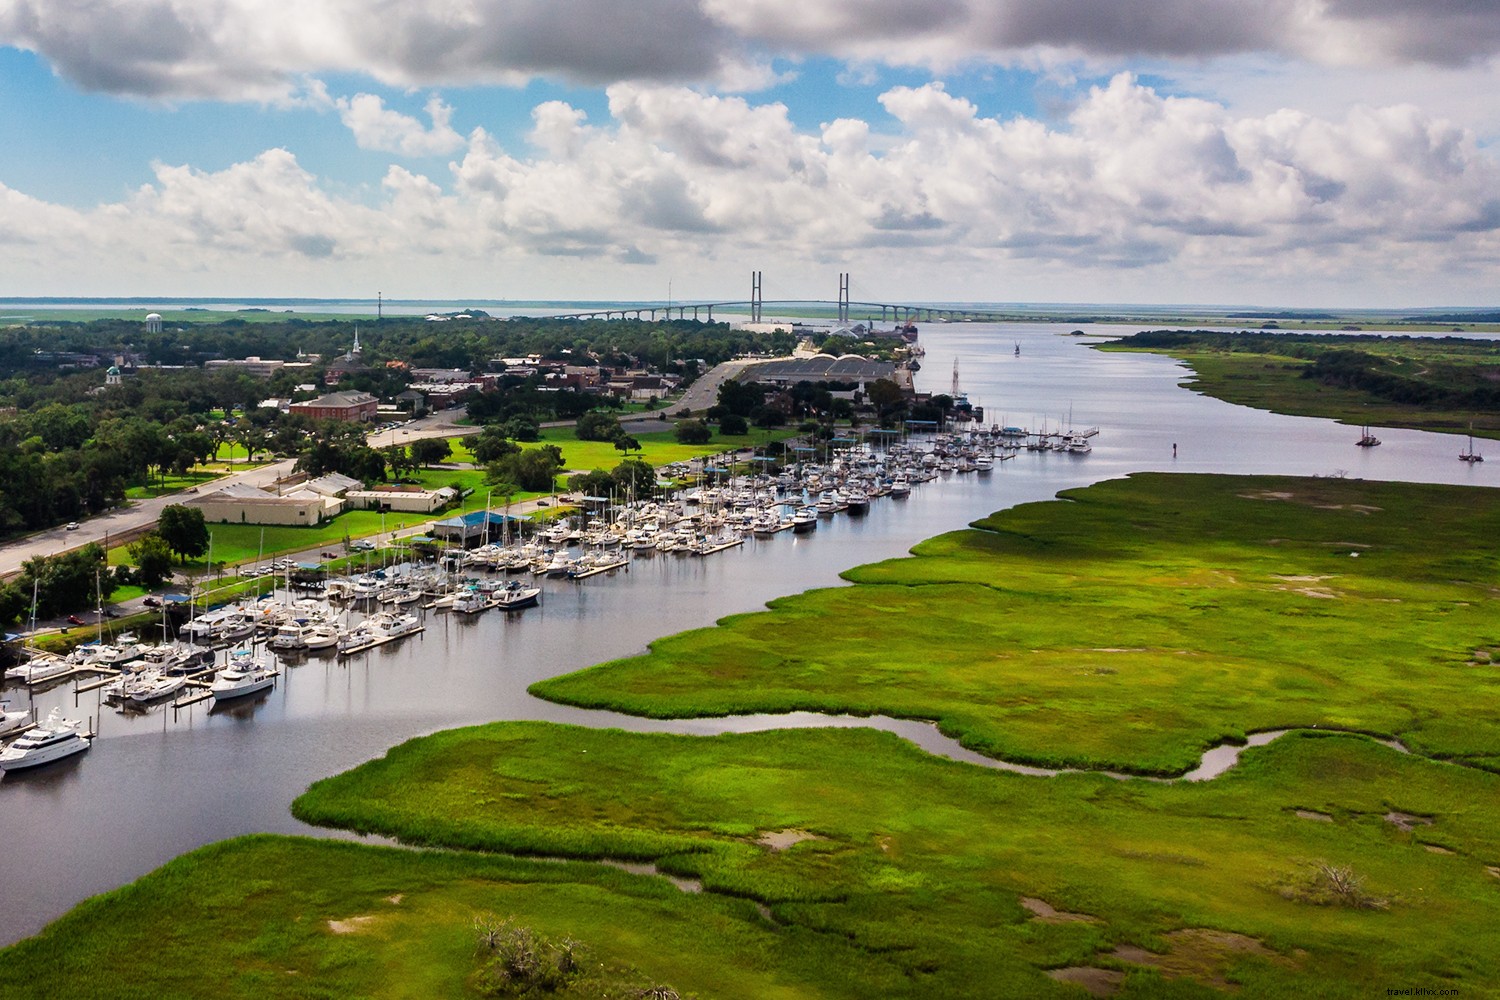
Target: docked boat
11,722
377,630
246,674
152,685
513,596
321,636
472,601
52,740
41,667
171,659
804,520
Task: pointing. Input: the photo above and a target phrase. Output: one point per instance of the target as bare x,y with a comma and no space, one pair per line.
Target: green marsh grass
923,859
1130,626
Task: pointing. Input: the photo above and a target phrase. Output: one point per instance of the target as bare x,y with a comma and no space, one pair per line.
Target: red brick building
355,407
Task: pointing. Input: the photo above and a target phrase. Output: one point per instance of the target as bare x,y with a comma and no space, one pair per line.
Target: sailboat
1471,456
1366,439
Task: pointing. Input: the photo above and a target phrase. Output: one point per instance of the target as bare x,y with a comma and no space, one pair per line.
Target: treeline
1457,373
467,344
1445,386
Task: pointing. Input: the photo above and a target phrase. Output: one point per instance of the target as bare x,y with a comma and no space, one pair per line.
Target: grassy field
658,448
1256,371
172,484
1132,627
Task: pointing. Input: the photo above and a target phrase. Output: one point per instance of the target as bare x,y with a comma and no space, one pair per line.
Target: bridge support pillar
755,296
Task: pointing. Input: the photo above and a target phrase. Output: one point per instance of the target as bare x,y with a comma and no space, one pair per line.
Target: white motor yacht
40,667
472,601
11,721
152,685
323,635
246,674
52,740
291,637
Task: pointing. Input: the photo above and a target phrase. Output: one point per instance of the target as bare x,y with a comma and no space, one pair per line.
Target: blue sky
1277,153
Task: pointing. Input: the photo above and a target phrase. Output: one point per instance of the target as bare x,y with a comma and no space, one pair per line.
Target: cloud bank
252,49
1134,183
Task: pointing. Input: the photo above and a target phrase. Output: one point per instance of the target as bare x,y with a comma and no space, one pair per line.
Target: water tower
153,322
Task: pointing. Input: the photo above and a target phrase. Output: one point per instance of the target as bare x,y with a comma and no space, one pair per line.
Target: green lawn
172,484
658,448
1131,626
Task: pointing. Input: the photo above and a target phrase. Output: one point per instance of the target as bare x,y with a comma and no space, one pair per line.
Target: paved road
140,515
705,392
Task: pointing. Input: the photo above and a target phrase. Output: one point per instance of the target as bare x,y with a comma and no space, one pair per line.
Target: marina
326,713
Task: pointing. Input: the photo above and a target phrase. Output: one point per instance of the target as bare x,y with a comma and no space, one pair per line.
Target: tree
533,469
596,426
768,416
522,428
397,459
634,478
183,529
153,559
741,397
591,484
490,445
430,451
693,432
625,443
733,424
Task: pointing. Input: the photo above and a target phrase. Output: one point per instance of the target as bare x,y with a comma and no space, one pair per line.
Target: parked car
72,525
151,602
74,620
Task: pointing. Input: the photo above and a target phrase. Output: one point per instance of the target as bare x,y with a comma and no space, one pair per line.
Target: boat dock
371,642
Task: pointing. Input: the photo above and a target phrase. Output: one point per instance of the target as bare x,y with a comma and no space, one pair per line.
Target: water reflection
162,783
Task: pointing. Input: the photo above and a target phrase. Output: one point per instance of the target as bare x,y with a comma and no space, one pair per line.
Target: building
354,407
473,528
239,503
258,367
410,499
850,368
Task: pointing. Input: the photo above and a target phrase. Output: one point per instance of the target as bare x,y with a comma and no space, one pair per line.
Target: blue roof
476,519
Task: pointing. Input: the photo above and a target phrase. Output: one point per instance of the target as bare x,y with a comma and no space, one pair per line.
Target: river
157,785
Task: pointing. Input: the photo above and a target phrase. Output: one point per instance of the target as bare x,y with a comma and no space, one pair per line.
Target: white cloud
258,49
1136,196
377,127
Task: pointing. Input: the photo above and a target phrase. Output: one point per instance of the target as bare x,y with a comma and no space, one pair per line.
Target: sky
1278,153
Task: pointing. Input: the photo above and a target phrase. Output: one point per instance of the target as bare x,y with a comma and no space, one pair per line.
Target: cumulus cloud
1133,181
255,50
377,127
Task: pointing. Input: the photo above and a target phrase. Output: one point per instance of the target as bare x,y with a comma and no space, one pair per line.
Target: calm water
157,785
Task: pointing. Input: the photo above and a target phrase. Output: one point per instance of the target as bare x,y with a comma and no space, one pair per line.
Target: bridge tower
954,392
755,297
843,298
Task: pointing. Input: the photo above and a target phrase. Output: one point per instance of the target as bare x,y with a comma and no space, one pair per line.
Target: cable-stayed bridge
756,305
